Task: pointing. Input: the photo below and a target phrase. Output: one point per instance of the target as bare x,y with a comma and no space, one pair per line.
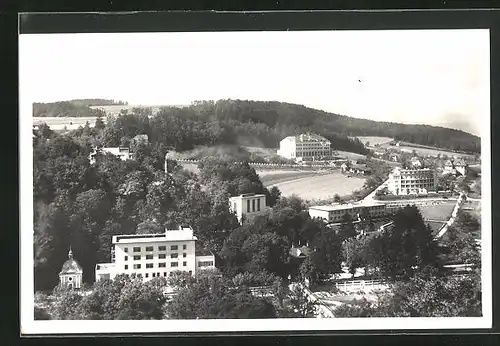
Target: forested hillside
257,123
72,108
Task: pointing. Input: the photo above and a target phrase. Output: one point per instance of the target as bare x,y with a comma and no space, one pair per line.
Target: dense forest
72,108
256,123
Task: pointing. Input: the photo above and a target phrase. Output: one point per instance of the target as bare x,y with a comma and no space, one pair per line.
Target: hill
72,108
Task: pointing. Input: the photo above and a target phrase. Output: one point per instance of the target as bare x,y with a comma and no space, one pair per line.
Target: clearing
71,123
272,177
437,211
320,186
374,140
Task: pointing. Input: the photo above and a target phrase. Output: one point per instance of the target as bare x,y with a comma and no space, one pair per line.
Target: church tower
71,273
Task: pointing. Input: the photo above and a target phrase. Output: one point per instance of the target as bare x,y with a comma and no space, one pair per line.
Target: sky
422,76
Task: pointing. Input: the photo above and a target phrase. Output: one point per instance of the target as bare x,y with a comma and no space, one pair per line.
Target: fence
359,285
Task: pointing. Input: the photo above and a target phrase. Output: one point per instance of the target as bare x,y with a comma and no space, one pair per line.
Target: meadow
320,186
59,123
440,211
375,140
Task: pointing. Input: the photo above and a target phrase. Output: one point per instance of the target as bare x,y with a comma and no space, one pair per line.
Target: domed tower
71,273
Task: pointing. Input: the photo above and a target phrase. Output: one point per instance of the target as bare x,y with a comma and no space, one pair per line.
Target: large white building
248,204
306,146
71,273
155,255
336,212
411,181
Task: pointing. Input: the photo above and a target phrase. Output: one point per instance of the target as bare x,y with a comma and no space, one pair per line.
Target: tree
352,251
336,198
180,279
347,229
99,123
299,304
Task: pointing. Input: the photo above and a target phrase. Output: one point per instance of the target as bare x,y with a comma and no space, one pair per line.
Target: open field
320,186
350,156
116,109
269,177
374,140
435,226
264,152
438,211
426,151
71,123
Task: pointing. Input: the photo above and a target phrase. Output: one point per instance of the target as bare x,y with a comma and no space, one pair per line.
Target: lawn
71,123
269,177
437,211
320,186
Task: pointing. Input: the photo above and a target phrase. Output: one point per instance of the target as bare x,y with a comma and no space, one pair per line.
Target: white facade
121,152
336,212
154,255
411,181
248,204
304,147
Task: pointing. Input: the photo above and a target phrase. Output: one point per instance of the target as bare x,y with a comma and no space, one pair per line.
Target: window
248,206
191,272
126,258
137,266
153,274
147,275
162,265
126,266
162,248
149,265
184,264
258,204
137,249
174,247
164,273
174,255
205,263
184,255
162,256
158,274
125,249
137,258
174,264
149,257
184,247
149,248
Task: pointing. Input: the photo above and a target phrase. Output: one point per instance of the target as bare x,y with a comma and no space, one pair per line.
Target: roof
300,252
247,195
71,266
181,234
332,207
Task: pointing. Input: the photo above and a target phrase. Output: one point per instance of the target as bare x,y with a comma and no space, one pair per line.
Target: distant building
141,139
415,162
455,166
121,152
411,181
336,212
303,147
71,273
155,255
248,204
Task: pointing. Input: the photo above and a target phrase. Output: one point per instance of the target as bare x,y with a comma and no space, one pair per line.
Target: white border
30,326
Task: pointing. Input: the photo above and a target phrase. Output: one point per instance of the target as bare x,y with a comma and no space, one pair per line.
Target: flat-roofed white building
411,181
306,146
248,204
335,212
121,152
155,255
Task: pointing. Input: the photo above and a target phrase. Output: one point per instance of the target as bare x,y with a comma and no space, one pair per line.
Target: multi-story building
121,152
411,181
248,204
155,255
335,212
303,147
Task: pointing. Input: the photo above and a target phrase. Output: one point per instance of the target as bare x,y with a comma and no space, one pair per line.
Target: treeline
73,108
289,118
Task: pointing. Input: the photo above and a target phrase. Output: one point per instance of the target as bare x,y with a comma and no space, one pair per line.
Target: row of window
160,265
165,274
160,248
253,205
160,256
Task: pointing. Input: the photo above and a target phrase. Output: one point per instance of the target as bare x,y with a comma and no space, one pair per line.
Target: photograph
255,181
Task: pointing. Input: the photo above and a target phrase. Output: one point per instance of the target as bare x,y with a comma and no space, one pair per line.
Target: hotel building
335,212
155,255
305,147
411,181
248,204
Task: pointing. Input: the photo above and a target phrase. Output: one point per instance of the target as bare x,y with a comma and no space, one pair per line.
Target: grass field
116,109
439,212
58,123
272,177
320,186
374,140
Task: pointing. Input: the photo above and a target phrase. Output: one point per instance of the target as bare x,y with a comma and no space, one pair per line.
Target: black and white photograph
255,180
